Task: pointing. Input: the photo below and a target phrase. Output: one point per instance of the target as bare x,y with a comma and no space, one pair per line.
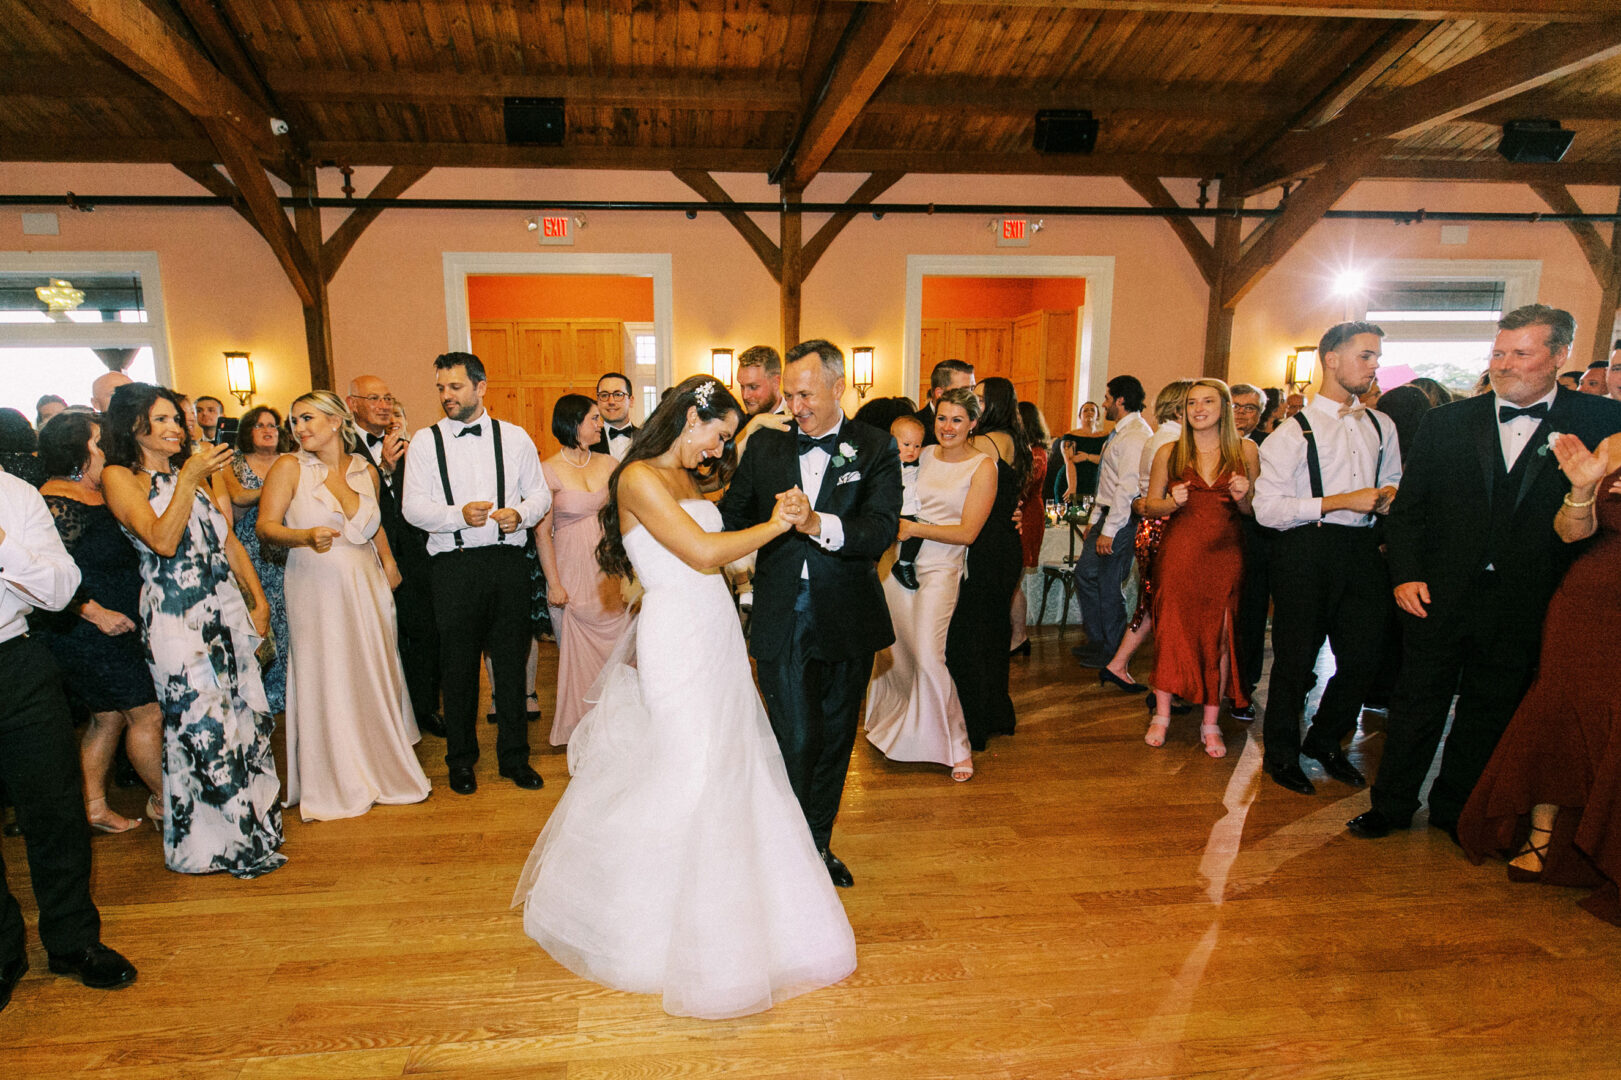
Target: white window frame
153,333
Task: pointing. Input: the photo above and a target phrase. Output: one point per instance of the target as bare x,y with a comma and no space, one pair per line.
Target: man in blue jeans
1100,572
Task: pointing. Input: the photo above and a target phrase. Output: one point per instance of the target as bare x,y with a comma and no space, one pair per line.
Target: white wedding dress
678,861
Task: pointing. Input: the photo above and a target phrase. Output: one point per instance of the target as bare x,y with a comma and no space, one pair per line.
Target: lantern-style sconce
861,369
723,365
239,376
1299,369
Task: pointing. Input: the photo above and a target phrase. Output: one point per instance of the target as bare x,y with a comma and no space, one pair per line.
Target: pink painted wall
224,290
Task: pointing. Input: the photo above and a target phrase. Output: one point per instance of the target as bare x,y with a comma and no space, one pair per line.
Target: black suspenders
1314,465
500,470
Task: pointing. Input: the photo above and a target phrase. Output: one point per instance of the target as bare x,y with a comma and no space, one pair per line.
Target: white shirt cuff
831,538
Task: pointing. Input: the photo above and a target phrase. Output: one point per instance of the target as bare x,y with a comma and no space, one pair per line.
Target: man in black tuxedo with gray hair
1475,557
819,611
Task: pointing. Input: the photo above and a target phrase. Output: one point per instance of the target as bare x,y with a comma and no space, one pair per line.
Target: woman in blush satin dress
678,861
587,608
350,729
1201,483
1552,792
913,712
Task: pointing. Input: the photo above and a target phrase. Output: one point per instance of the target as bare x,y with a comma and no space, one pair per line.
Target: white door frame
1092,337
459,264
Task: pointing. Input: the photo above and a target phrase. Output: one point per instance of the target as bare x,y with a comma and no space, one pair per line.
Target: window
641,364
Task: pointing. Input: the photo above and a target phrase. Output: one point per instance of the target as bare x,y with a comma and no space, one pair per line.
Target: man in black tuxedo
819,611
384,445
946,375
1473,550
613,403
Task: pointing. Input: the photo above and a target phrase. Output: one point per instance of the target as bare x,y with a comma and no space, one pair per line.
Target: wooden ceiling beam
216,183
1393,43
762,245
224,45
140,39
435,88
1529,61
914,93
1599,256
264,204
871,52
1539,11
1155,194
336,248
872,187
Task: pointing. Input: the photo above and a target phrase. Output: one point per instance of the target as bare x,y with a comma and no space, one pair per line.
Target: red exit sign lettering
1015,233
555,229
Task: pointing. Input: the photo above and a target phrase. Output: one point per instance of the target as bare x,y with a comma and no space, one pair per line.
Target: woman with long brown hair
1203,482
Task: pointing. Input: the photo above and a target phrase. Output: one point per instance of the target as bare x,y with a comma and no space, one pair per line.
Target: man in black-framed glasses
613,402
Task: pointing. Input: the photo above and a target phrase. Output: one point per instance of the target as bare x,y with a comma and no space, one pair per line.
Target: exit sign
1015,232
555,229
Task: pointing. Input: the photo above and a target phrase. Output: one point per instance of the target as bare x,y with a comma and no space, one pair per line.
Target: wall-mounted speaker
533,121
1065,131
1538,142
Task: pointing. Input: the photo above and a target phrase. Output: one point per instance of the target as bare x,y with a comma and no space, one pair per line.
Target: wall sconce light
861,369
239,376
1300,367
723,365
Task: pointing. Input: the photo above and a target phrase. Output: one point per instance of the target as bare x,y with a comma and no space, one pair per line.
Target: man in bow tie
474,485
1475,557
1326,474
384,445
613,404
819,612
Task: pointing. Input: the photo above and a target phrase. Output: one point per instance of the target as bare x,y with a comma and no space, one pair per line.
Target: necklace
571,461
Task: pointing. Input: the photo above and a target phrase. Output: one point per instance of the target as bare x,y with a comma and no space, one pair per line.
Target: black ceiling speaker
1539,142
533,121
1065,131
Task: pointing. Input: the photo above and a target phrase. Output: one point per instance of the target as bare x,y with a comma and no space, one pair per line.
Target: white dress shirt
36,571
1165,434
1513,435
470,460
619,440
812,468
1118,470
1349,453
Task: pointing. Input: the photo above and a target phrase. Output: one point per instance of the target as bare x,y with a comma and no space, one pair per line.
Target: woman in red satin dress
1203,481
1552,791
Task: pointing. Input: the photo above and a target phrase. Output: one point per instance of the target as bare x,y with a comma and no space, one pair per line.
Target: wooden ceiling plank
265,206
225,46
711,191
478,89
1395,42
135,36
936,93
394,184
872,52
1539,11
872,187
1155,194
1529,61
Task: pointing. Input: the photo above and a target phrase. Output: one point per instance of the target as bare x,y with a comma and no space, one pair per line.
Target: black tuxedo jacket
1441,523
409,543
847,601
601,445
925,416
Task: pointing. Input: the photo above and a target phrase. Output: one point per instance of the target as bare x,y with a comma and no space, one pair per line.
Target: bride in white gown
678,861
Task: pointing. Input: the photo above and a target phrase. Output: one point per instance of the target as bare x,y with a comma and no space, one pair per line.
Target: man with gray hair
759,380
1475,559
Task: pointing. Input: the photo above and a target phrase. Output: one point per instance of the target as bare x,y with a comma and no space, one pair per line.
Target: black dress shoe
1245,715
837,870
463,782
1022,649
1373,825
98,967
432,724
525,777
1105,677
11,973
1338,766
906,574
1292,777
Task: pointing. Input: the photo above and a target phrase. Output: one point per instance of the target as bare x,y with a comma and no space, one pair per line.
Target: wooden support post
317,313
1604,259
792,266
1218,327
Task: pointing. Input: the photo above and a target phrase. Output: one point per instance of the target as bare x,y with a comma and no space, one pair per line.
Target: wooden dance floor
1084,907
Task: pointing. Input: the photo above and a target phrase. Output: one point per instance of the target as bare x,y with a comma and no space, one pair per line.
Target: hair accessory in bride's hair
703,392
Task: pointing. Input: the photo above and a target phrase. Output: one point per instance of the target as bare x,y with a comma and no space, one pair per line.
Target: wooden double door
1036,351
531,363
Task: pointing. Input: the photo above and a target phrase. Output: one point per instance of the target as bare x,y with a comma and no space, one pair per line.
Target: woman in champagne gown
587,608
1552,791
350,728
678,861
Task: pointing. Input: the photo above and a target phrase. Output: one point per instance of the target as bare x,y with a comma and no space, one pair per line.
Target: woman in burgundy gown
1552,791
1203,482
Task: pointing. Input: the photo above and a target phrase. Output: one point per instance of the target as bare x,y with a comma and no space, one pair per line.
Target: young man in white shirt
1106,557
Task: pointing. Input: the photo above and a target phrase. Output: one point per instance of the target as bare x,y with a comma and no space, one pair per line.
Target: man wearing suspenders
474,486
1325,473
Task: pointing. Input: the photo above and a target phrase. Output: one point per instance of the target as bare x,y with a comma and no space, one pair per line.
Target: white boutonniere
846,454
1547,448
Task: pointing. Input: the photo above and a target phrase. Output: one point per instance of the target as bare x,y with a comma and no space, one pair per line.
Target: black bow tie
807,444
471,429
623,432
373,440
1505,413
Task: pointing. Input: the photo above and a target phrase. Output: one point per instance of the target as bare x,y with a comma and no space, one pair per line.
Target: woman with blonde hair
350,729
1201,483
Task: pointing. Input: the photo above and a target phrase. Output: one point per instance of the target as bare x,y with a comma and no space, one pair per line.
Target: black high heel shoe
1022,650
1105,677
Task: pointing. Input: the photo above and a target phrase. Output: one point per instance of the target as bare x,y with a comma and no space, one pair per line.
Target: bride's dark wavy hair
668,421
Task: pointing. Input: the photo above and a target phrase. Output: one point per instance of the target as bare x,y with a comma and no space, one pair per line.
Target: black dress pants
419,634
481,605
1485,651
1329,582
39,762
814,706
1254,603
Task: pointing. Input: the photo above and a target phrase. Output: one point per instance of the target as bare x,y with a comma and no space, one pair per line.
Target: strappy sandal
103,825
1520,873
1217,749
154,812
963,771
1157,727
